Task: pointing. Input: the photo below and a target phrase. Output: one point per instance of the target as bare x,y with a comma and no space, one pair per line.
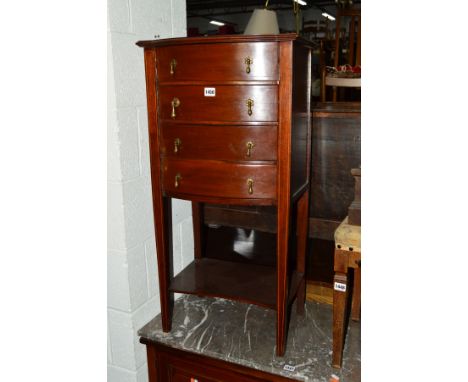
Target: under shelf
249,283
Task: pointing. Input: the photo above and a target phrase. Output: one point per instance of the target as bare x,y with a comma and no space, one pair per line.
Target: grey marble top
245,334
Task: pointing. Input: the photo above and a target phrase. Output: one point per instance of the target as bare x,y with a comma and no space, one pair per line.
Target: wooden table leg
356,302
302,234
282,244
283,192
198,229
161,205
282,281
163,226
340,295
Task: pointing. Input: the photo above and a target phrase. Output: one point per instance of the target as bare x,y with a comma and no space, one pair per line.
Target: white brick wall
133,294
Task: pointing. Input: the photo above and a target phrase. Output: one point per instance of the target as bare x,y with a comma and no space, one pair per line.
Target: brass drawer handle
250,184
249,103
177,144
177,180
173,65
175,103
250,145
248,61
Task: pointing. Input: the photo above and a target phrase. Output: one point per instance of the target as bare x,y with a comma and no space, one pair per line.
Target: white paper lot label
210,92
340,287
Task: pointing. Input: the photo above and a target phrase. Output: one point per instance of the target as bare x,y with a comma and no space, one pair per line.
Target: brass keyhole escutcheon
249,103
177,180
250,145
175,103
250,185
173,65
177,143
248,61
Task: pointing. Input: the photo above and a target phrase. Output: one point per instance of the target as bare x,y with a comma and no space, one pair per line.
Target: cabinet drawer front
219,179
230,104
218,62
181,370
236,143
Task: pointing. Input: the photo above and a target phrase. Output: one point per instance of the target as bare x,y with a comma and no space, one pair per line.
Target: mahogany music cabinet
229,123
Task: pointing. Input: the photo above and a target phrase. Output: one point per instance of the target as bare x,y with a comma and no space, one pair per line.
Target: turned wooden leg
198,229
340,294
302,233
356,302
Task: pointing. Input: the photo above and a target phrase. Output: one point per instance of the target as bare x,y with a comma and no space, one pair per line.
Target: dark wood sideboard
229,123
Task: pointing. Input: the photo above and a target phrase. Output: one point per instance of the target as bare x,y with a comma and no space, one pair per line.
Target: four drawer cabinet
229,123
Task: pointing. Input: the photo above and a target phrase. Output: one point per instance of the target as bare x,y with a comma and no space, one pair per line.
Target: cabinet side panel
336,149
300,129
161,208
151,359
283,184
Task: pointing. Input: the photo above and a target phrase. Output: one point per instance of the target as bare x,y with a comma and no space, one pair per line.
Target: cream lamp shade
262,21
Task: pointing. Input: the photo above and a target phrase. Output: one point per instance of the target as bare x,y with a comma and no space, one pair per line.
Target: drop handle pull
173,65
249,103
174,103
177,144
248,61
250,145
177,180
250,183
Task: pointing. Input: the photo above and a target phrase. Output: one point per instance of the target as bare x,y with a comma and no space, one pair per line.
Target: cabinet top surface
222,39
244,334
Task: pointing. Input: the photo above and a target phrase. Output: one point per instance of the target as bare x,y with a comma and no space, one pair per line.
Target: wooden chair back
353,48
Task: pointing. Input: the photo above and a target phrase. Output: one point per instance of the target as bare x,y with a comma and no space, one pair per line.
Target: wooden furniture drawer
218,179
180,370
218,62
229,104
168,364
219,142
